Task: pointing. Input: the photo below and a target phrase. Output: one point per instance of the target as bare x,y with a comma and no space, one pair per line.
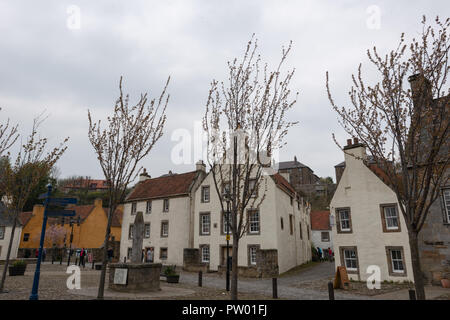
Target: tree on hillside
20,178
406,130
131,133
245,123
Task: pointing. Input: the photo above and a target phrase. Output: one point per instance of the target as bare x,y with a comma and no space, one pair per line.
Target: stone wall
140,277
434,244
191,261
267,263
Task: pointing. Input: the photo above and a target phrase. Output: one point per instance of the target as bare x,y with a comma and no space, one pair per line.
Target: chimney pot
349,142
355,140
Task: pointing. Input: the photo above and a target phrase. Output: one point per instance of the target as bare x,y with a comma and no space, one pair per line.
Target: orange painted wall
90,233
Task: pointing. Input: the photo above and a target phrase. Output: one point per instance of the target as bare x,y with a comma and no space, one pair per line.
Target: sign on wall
120,276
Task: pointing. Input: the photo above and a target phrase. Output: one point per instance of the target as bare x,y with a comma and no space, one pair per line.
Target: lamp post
71,237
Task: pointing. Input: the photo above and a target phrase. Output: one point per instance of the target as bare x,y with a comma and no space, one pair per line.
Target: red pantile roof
320,220
24,217
283,184
165,186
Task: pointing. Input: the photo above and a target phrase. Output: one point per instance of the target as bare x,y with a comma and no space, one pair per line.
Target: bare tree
406,130
19,179
245,123
8,136
131,133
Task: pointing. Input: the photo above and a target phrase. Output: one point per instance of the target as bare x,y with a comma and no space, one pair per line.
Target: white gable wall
363,192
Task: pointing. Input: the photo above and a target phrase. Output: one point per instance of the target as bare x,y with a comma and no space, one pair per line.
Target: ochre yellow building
89,234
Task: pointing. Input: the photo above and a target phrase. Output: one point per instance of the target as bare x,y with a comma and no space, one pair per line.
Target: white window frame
148,208
350,259
166,207
147,230
251,185
254,226
204,198
205,226
446,200
2,232
166,234
340,211
130,232
391,251
322,238
133,207
386,210
252,252
207,254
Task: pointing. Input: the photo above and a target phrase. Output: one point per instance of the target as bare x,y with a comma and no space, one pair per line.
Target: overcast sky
51,61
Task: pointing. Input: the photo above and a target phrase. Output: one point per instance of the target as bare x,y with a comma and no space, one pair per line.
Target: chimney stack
144,176
200,166
349,142
355,140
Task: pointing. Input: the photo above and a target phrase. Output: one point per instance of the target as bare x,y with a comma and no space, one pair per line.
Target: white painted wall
291,251
178,239
317,239
362,191
4,243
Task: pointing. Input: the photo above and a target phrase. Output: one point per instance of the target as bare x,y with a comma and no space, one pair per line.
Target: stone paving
309,283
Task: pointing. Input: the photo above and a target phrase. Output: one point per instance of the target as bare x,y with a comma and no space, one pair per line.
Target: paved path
286,284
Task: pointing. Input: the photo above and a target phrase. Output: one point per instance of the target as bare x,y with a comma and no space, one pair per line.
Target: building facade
368,228
321,233
6,224
89,234
168,205
280,224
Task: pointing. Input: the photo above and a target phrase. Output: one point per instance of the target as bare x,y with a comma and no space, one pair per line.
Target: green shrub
19,263
170,271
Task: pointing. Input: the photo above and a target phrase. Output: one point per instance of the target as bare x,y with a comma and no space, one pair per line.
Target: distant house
89,234
303,179
321,234
88,184
6,224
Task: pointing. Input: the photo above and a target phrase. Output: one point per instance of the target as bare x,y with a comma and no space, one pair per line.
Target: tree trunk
8,254
101,287
415,262
234,269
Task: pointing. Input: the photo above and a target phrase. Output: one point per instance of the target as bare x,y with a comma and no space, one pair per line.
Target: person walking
320,253
44,254
81,263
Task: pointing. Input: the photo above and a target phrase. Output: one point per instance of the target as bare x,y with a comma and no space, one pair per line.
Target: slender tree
245,122
18,180
131,133
8,136
406,129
